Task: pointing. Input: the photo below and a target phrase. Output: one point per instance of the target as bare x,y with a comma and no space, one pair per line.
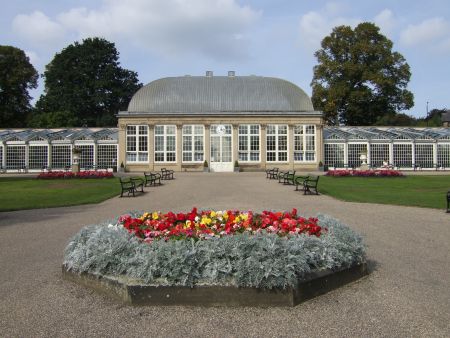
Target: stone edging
132,292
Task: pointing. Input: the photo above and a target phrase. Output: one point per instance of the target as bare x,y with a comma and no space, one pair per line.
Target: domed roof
217,94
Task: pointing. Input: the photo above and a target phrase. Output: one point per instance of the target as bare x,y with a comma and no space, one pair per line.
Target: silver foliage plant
263,260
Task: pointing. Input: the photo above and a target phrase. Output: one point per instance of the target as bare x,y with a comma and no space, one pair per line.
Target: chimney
231,73
209,73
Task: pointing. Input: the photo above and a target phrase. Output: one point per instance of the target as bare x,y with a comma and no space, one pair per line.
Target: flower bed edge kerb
135,293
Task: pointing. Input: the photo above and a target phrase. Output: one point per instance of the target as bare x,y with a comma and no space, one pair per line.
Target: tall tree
359,78
86,80
17,76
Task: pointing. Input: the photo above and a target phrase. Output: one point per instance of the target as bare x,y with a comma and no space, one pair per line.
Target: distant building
261,122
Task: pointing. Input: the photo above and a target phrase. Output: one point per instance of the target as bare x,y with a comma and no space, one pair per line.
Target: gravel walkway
407,293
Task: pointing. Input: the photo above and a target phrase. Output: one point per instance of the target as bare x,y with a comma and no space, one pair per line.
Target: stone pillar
122,141
413,154
391,154
319,144
3,163
179,149
94,164
49,156
262,146
290,137
369,161
27,156
151,147
346,154
207,145
235,142
435,157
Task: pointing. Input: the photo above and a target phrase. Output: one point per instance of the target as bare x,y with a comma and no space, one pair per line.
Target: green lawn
422,191
30,193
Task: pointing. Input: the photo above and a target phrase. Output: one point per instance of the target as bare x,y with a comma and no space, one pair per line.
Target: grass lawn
421,191
30,193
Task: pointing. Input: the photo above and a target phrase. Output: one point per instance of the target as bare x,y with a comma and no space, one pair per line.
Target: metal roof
385,133
69,135
219,94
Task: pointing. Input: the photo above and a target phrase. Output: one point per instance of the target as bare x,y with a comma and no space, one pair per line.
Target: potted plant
122,168
236,166
321,166
205,166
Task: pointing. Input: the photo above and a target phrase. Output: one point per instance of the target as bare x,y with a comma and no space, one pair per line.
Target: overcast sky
159,38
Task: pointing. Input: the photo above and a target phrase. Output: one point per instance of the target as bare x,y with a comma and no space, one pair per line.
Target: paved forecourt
405,295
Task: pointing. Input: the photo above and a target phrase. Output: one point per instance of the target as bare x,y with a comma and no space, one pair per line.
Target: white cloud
38,28
386,21
315,25
34,58
427,31
215,28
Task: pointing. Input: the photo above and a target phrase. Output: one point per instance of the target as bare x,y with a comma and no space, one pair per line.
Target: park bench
272,174
166,174
131,185
299,180
152,179
448,201
286,177
310,185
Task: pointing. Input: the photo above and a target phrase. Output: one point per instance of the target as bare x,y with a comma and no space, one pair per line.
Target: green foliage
263,261
30,193
432,120
17,76
359,78
421,191
52,120
86,80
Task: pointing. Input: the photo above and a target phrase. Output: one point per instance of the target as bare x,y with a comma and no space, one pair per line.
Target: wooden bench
152,179
310,185
287,177
131,185
448,201
127,186
166,174
299,180
272,174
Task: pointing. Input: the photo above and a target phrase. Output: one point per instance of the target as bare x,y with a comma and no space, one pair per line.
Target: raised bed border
131,292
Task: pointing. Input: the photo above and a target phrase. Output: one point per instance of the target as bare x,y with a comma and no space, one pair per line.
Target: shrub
69,174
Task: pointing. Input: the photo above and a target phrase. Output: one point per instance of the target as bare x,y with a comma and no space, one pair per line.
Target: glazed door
221,147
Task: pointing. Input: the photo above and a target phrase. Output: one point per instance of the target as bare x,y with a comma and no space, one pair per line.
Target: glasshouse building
184,123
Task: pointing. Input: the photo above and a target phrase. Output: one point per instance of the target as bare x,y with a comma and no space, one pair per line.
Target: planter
135,292
237,169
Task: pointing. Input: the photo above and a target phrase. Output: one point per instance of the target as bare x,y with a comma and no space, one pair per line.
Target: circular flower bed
69,174
365,173
226,248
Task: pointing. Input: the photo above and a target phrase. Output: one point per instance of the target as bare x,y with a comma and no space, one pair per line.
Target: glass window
443,155
86,156
61,156
37,157
165,143
305,143
403,155
334,155
15,157
193,143
137,143
277,143
248,136
106,156
424,155
354,154
379,154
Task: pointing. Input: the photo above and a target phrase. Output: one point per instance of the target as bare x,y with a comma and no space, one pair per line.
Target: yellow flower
244,216
205,220
225,215
155,215
213,214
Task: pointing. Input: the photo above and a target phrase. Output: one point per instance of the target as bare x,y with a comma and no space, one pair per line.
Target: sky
278,38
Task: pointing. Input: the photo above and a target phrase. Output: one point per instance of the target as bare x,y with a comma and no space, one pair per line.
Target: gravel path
407,293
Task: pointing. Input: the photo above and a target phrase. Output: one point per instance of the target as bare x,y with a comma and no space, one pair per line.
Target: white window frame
192,136
277,135
165,135
136,136
248,140
303,135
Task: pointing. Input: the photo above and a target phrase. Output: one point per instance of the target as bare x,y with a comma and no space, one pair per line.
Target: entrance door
221,147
